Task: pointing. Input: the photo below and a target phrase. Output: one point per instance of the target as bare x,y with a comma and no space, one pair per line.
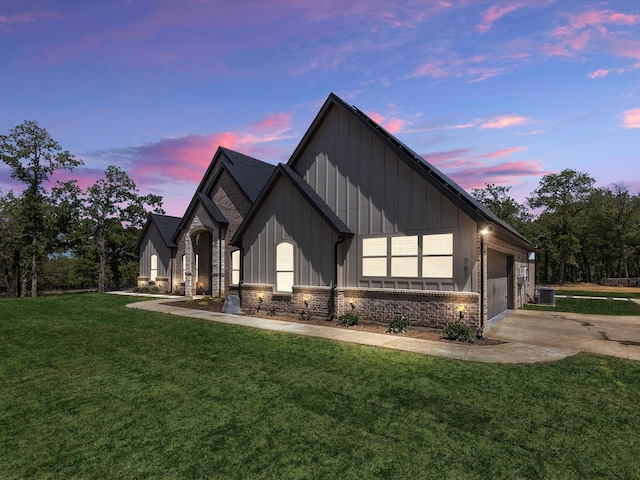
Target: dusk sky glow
488,92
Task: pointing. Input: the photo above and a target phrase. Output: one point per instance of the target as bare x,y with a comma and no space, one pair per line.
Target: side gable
340,197
166,226
308,195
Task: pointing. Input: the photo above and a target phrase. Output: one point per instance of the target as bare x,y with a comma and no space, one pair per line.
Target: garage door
497,283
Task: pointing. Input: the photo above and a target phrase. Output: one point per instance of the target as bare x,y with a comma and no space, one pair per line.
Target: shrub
273,311
398,325
304,316
347,319
458,331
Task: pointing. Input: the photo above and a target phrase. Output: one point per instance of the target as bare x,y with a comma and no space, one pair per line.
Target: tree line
61,236
583,233
64,237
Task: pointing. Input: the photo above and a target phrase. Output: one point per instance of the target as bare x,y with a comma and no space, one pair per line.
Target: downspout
219,262
334,283
481,331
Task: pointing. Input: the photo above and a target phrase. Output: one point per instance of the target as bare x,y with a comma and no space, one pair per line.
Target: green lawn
90,389
590,307
597,293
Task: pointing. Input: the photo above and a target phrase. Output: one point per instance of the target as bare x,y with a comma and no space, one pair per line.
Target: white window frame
153,268
437,255
235,267
408,256
285,267
184,268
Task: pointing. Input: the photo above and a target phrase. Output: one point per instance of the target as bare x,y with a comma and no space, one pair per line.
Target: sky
489,92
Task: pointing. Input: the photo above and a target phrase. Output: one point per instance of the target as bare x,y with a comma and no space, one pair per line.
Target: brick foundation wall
422,308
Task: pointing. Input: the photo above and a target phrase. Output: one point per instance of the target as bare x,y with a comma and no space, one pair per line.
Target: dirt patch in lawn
364,326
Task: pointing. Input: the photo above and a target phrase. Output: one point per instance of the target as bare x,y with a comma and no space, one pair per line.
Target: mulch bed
414,332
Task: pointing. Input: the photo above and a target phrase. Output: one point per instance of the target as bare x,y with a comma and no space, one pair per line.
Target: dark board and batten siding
155,244
376,193
284,216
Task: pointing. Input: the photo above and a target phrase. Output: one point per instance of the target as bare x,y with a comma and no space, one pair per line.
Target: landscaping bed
364,326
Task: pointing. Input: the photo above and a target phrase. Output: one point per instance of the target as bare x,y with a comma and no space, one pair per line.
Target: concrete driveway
603,334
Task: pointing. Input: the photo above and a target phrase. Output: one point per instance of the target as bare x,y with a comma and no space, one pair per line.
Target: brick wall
423,308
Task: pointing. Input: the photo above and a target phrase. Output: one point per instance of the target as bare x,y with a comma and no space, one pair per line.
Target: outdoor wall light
461,311
306,302
484,231
260,297
353,305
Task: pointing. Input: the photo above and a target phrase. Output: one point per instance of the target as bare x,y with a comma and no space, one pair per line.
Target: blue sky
488,92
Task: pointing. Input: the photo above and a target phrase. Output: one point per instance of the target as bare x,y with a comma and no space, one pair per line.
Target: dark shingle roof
250,173
212,209
315,201
166,225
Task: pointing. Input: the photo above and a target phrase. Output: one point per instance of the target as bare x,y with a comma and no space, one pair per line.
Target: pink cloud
506,173
505,121
631,118
497,11
504,152
392,125
27,17
601,72
434,69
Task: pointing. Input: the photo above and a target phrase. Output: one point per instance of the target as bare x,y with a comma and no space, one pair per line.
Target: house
354,222
191,255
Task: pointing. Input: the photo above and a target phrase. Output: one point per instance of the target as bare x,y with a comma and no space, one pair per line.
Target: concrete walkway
512,352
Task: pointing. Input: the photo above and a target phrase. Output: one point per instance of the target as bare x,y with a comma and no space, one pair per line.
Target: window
374,257
404,256
437,255
414,256
284,267
235,267
184,268
153,274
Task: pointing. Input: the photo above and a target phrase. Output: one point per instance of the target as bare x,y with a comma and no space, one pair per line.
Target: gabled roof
308,193
166,225
435,177
249,173
211,208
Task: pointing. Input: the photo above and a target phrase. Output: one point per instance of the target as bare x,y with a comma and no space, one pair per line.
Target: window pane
440,244
437,267
374,267
404,267
404,245
374,247
235,277
284,281
235,260
284,257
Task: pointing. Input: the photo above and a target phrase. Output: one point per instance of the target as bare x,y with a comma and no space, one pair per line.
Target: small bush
398,325
273,311
458,331
304,316
348,319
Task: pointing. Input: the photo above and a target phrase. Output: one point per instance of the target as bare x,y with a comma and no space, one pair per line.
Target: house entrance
201,243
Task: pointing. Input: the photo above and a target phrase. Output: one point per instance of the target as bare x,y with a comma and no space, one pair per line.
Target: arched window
153,274
284,267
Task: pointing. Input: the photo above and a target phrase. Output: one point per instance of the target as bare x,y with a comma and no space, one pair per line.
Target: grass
590,307
91,389
598,293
